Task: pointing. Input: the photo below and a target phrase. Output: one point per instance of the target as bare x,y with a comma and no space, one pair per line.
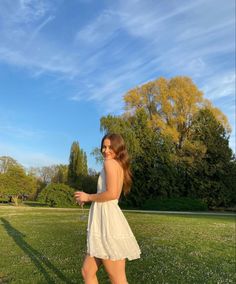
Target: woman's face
107,152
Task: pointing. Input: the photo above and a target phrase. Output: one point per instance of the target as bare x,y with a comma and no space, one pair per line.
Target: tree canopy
15,182
171,106
178,142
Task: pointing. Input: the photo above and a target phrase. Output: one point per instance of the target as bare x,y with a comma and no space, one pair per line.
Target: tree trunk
15,199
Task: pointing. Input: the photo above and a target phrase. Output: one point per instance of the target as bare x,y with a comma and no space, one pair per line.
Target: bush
175,204
57,195
4,200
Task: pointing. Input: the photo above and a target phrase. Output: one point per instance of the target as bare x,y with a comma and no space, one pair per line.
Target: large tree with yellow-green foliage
173,135
171,106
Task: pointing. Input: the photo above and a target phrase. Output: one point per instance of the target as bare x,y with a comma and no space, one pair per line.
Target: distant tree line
178,144
53,185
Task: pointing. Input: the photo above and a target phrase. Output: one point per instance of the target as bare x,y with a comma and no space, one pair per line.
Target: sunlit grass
43,245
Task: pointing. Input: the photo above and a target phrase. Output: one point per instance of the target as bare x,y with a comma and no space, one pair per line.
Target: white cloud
220,85
100,30
160,38
23,12
57,62
21,42
122,45
39,28
147,18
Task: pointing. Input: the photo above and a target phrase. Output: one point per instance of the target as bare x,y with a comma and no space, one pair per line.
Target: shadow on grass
37,258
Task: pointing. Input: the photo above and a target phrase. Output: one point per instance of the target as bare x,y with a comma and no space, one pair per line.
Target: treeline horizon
178,144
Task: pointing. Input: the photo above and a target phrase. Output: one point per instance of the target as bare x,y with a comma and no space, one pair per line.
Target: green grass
44,245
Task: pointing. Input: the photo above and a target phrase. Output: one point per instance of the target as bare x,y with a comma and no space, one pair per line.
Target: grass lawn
43,245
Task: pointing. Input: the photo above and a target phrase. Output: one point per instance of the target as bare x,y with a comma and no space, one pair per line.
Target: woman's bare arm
110,167
111,193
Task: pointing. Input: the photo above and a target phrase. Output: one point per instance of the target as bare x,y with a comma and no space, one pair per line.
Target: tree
48,174
6,162
178,143
61,174
98,155
146,163
77,164
123,126
150,156
211,174
84,170
171,106
45,175
14,182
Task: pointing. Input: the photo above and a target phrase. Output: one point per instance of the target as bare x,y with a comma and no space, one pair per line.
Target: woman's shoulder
111,163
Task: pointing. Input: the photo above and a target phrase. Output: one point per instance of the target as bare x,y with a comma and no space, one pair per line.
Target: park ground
46,245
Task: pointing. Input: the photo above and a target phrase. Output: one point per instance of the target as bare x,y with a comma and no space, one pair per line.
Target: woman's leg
90,268
115,270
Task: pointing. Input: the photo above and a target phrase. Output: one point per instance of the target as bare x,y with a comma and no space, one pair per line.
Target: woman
109,238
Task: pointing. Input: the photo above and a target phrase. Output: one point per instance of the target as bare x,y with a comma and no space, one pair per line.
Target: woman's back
118,176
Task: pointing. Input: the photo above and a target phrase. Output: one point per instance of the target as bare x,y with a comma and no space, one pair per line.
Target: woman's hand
81,197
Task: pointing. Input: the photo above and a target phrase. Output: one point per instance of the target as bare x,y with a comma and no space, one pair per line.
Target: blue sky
65,64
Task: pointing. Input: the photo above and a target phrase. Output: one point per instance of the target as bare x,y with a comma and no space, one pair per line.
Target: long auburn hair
122,157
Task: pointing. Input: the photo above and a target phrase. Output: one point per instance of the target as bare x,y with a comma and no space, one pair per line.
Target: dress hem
113,258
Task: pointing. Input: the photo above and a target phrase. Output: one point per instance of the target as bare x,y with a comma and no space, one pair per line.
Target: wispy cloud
100,30
57,62
101,37
146,19
19,14
184,49
39,28
102,53
220,85
22,22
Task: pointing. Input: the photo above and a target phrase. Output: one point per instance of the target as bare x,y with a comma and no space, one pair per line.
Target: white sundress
108,233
